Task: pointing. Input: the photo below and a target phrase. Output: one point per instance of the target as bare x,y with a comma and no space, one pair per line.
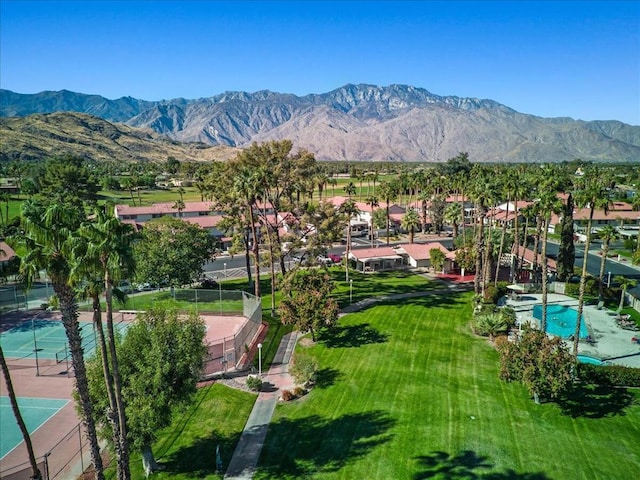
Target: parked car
335,258
322,260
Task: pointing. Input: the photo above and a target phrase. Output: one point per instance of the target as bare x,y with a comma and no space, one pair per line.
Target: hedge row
613,375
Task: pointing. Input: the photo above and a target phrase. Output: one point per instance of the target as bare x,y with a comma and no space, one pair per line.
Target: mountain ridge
357,122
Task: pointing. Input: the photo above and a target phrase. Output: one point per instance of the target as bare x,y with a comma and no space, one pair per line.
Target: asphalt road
227,267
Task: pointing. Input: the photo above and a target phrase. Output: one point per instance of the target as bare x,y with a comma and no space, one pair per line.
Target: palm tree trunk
502,238
36,475
256,251
387,221
247,256
69,310
112,414
123,466
583,282
545,283
603,261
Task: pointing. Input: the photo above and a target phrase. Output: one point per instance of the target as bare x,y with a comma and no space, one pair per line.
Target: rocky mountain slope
41,136
358,122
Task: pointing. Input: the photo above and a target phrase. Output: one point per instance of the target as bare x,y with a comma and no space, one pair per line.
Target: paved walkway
247,453
245,457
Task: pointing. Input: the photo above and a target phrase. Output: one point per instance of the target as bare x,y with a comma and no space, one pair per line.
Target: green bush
304,368
612,375
254,383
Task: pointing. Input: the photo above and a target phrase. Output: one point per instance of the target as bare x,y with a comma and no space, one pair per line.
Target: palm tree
592,193
333,182
547,204
452,215
349,210
625,284
108,249
48,236
349,189
388,191
607,234
372,201
482,193
410,222
36,475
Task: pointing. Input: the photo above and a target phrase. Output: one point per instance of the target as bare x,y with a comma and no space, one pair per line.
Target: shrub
509,316
490,325
613,375
254,383
542,364
288,395
303,368
491,294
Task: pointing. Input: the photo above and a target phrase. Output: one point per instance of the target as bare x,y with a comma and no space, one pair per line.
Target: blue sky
579,59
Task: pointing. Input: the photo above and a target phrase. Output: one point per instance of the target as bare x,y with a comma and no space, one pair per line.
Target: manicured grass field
188,447
406,392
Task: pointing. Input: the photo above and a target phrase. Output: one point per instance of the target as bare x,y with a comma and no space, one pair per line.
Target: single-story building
376,259
418,255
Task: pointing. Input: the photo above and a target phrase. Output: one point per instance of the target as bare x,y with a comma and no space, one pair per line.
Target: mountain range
354,122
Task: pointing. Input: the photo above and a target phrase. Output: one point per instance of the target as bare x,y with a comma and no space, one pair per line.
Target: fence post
81,455
46,464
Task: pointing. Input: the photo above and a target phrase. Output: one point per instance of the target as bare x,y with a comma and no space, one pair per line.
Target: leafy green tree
541,363
35,471
67,180
172,165
306,301
437,258
161,359
172,252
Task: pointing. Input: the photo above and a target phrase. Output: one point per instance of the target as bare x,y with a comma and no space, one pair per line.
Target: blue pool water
561,320
590,360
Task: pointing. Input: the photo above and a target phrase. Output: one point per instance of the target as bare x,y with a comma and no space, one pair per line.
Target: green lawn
406,392
187,448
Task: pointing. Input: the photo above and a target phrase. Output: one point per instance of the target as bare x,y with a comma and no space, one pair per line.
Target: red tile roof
422,251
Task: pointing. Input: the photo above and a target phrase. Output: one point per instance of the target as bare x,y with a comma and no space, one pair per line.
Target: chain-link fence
229,352
68,458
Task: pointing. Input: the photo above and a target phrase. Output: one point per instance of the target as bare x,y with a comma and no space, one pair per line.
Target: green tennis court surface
35,412
48,337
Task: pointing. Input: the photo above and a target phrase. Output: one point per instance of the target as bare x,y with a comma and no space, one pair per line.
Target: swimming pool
589,360
561,320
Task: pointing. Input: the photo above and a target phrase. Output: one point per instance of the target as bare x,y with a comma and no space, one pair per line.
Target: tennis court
47,339
35,412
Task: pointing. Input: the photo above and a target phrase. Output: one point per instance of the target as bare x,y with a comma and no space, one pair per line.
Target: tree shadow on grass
325,377
350,336
467,465
593,401
302,447
198,459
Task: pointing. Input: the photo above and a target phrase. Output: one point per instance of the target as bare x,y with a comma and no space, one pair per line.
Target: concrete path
247,453
245,457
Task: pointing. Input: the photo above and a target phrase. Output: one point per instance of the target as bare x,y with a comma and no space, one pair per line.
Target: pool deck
612,343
